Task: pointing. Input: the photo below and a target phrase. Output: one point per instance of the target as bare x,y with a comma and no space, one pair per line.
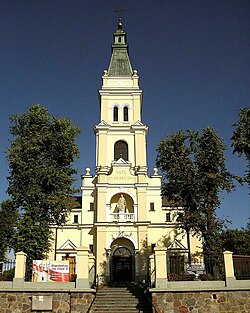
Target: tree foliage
41,175
194,173
236,240
8,223
241,139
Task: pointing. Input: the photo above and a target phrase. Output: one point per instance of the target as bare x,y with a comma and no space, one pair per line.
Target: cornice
106,91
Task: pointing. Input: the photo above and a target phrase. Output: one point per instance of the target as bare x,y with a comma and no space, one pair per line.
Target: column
101,257
92,269
20,269
143,252
82,281
229,268
160,267
152,270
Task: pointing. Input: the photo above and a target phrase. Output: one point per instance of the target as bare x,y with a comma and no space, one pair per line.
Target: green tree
41,176
194,173
236,240
241,140
8,223
248,226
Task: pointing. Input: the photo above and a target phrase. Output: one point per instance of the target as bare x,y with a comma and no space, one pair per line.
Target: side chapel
121,215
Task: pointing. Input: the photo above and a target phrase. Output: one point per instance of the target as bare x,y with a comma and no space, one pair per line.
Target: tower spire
120,64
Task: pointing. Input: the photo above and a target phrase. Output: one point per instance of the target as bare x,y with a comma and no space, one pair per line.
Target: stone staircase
124,299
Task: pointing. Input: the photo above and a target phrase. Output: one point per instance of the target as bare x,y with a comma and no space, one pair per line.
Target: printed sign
59,271
50,271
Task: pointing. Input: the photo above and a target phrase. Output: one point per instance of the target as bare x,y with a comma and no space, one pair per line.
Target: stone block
41,303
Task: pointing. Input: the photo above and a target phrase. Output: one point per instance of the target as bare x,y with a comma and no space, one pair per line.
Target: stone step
118,310
119,290
112,304
130,304
121,299
128,299
113,308
99,309
126,291
121,293
133,301
119,296
121,310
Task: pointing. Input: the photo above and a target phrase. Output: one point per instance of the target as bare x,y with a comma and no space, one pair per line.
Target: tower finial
119,23
119,11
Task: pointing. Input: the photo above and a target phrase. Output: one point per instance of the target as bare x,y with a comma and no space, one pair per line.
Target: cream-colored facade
121,216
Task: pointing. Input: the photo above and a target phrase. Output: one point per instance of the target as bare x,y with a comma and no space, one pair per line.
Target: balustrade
121,216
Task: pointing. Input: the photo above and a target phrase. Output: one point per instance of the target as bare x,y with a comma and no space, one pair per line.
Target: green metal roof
120,64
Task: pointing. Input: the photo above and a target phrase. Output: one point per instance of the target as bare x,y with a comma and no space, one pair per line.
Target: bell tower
120,190
120,133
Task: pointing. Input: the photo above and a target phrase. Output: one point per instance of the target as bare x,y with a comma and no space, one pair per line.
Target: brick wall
20,302
202,302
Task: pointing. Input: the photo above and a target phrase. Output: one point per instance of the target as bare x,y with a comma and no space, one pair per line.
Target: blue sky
192,58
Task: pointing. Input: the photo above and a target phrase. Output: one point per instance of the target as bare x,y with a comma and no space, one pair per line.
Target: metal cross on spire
119,11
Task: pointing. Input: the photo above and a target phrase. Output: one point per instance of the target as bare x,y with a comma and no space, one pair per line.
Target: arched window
115,114
122,252
121,150
125,114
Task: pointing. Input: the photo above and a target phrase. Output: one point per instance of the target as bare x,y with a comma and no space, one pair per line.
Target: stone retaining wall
62,302
202,302
164,302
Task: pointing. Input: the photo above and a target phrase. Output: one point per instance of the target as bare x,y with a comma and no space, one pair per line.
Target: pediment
176,245
68,245
121,161
138,123
103,123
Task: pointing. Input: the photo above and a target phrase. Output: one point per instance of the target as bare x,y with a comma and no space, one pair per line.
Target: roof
120,63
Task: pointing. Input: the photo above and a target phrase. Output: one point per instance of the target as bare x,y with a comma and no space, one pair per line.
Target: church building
121,215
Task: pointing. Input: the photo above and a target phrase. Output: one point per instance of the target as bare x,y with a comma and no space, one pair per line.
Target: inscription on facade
121,175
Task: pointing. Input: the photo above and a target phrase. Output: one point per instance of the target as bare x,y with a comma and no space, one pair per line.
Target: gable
68,245
177,246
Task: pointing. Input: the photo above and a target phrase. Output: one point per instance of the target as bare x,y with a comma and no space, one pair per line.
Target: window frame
168,217
91,206
115,114
118,150
152,207
76,219
125,114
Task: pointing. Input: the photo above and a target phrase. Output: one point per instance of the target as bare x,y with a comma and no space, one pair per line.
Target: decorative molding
103,123
176,245
138,123
121,161
68,243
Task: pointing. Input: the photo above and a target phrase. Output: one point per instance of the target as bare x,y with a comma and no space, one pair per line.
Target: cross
119,11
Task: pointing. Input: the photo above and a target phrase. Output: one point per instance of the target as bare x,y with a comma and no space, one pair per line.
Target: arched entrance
122,261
